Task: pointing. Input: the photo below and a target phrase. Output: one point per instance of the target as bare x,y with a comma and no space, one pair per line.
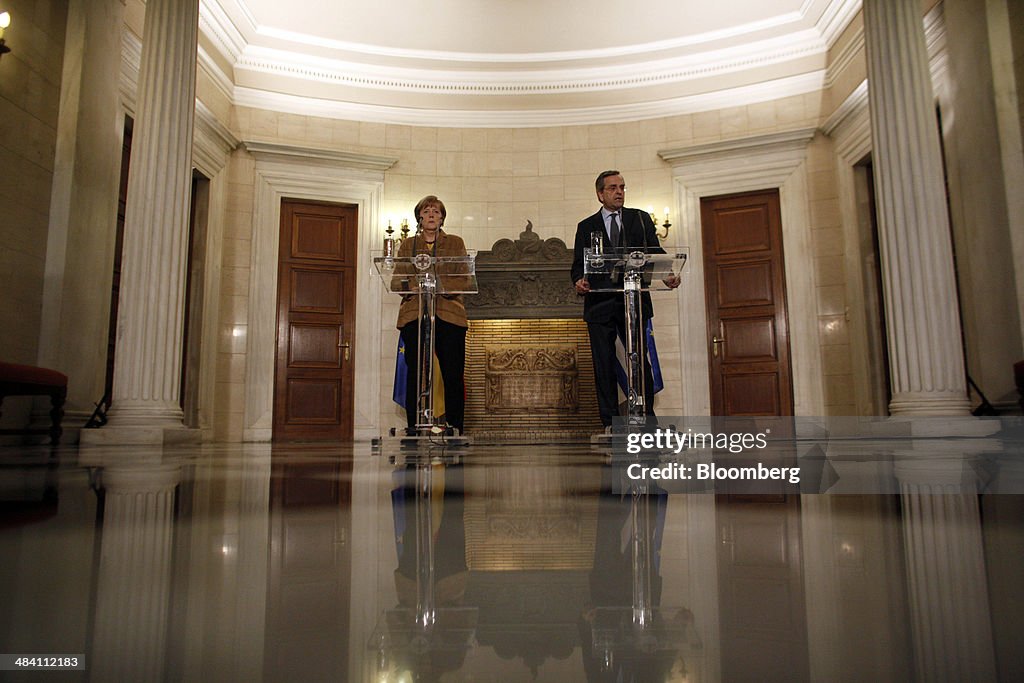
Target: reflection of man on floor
611,585
604,312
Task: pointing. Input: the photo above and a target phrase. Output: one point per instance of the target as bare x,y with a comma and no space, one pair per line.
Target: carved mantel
525,278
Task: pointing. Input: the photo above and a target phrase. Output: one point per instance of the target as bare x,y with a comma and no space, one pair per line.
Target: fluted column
147,369
946,579
921,308
134,578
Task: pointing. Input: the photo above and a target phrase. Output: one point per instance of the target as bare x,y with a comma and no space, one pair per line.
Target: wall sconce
5,21
665,225
389,234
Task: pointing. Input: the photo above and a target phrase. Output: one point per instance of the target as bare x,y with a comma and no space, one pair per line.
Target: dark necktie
615,230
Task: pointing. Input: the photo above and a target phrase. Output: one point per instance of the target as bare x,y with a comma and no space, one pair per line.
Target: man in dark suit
604,312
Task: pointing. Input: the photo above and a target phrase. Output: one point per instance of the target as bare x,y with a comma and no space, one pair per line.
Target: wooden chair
27,380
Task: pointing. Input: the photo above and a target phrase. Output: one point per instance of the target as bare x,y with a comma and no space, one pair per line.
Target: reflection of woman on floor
450,572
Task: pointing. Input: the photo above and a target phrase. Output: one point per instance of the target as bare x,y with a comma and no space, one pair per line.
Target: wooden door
748,329
315,322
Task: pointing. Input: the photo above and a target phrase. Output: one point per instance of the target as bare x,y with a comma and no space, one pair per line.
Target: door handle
347,346
715,341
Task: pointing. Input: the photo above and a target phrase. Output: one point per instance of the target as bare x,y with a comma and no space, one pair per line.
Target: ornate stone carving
529,248
527,378
524,278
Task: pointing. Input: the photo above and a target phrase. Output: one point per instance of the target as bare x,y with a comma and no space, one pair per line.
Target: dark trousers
450,349
602,348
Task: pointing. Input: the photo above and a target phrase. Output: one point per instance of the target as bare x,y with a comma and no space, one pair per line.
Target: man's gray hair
599,183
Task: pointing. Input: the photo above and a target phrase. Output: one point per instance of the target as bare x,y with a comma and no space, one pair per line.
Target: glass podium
427,277
630,272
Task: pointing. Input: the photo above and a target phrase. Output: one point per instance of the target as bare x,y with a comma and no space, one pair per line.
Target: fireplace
529,375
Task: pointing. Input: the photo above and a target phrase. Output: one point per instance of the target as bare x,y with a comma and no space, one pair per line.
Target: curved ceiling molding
460,62
531,82
529,118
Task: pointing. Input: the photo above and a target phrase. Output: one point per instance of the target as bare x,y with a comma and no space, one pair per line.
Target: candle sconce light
662,233
5,21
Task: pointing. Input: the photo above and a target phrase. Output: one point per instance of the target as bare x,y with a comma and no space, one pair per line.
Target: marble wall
30,79
495,180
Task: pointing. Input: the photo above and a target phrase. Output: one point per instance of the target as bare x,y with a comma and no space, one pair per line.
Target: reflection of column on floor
946,580
922,317
134,576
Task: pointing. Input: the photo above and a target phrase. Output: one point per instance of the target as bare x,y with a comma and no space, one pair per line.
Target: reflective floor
249,562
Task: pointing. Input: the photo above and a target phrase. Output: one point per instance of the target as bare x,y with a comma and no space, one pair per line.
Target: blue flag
401,373
652,356
401,376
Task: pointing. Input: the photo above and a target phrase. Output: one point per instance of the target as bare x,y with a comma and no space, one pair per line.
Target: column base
929,405
140,436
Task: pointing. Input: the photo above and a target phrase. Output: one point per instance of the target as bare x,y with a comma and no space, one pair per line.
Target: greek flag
652,356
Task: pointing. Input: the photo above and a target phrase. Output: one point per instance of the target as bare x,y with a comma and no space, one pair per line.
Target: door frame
762,162
773,254
291,317
283,171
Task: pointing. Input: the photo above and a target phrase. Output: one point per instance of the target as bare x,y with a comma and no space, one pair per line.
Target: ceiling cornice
531,118
531,82
215,23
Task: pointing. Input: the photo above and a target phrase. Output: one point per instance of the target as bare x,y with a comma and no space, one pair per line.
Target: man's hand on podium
672,281
582,286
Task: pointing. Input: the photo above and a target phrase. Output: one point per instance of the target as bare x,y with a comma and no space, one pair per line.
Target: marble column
946,579
133,585
147,366
921,308
83,209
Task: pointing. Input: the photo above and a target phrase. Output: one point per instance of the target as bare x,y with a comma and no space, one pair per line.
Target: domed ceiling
518,62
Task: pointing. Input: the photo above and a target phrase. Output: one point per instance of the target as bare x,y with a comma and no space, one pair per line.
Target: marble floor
307,562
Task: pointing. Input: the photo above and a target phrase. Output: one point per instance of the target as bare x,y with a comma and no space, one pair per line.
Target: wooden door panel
313,402
746,303
745,284
317,291
313,392
750,394
749,341
743,229
316,237
313,345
